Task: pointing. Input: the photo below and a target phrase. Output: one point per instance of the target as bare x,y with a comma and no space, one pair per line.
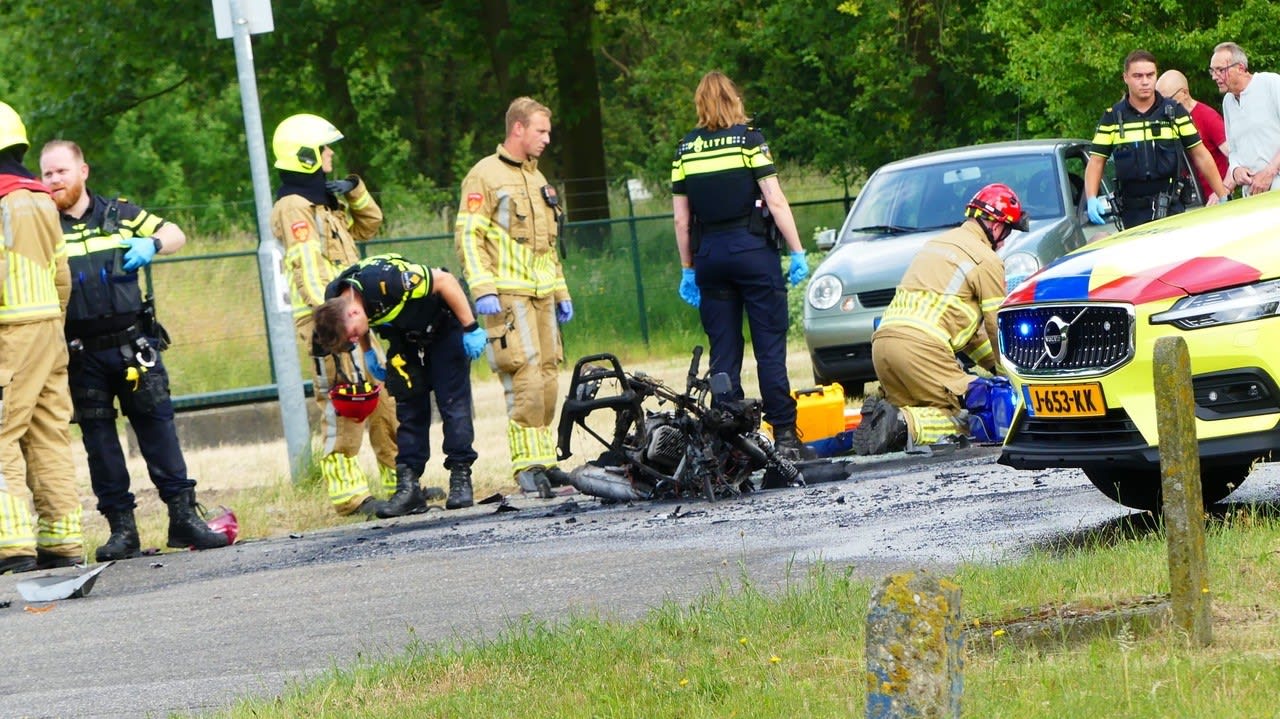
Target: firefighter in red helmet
945,305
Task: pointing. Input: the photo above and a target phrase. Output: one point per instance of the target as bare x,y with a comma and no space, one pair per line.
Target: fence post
1183,501
635,265
915,648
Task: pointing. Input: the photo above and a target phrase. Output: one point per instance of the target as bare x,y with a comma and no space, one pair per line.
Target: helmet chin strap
988,227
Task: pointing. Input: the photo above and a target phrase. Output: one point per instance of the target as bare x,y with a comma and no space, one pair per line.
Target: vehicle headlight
1018,266
825,292
1223,307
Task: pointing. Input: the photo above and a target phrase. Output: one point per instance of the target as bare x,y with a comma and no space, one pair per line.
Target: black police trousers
737,271
97,378
443,370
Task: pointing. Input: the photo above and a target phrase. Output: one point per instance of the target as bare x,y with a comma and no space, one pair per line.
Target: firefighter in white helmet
35,442
318,220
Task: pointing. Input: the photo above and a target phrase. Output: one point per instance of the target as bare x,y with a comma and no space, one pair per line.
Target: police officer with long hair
729,212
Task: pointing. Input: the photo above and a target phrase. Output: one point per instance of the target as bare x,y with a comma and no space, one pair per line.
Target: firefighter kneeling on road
432,333
945,304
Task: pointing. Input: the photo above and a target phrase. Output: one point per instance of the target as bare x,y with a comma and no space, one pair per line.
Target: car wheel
1140,488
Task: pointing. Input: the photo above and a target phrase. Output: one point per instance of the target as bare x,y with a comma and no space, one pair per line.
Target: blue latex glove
474,342
689,291
488,305
141,251
799,268
374,365
1093,207
564,311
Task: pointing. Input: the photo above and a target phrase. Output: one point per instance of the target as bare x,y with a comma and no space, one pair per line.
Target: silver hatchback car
906,203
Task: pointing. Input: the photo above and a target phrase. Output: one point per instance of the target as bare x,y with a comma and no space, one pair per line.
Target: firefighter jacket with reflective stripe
319,242
507,230
396,294
1145,145
104,297
33,262
720,170
950,293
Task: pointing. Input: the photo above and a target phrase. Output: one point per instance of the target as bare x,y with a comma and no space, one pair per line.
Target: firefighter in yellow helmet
35,441
319,220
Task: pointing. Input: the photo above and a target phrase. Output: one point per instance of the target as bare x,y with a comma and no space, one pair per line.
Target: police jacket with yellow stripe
33,262
104,297
950,294
1145,146
319,242
397,294
507,231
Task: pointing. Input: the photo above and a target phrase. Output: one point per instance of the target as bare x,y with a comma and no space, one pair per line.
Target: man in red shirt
1173,85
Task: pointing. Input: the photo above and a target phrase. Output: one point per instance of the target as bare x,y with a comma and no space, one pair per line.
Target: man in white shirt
1251,109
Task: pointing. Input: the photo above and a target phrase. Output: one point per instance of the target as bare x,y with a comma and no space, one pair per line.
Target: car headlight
1223,307
825,292
1018,266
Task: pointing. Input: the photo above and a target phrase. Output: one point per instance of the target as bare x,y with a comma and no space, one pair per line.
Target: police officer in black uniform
115,347
1148,136
729,211
432,336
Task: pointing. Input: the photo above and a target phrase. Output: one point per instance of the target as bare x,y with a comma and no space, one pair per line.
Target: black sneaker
883,429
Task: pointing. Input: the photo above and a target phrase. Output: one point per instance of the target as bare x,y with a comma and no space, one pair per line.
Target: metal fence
623,274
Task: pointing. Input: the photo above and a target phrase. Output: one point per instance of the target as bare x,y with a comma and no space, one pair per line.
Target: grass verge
798,651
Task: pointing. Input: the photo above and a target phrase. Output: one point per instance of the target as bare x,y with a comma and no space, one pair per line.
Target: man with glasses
1145,134
1251,109
1173,85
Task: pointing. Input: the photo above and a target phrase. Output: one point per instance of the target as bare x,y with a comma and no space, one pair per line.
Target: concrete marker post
915,648
1182,495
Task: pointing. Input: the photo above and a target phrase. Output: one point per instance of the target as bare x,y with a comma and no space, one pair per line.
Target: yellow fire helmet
298,139
12,131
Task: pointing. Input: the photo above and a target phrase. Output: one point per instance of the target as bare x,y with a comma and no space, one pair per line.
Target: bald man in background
1173,85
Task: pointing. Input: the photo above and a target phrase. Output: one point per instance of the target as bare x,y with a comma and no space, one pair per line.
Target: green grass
798,651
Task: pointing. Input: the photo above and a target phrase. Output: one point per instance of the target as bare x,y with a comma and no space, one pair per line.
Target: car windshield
932,197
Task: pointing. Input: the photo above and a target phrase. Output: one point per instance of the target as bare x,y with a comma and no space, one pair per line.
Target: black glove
338,188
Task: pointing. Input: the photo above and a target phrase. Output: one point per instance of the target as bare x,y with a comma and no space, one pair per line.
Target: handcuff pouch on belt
761,223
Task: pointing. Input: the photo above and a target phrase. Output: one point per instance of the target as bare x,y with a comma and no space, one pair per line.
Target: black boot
186,528
371,507
408,497
49,560
459,488
18,564
123,542
785,439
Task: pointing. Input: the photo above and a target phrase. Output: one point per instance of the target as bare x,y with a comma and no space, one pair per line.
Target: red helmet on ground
998,202
354,401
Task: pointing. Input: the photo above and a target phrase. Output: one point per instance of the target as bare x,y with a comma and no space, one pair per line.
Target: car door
1076,159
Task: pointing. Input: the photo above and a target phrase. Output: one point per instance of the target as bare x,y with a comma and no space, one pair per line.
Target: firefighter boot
408,497
186,528
123,542
459,488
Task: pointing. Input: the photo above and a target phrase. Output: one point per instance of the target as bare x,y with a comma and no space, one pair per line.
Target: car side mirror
825,240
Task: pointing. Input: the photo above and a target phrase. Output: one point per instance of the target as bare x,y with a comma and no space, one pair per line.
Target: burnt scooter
692,446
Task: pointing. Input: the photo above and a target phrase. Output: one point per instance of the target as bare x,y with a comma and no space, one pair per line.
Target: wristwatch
157,243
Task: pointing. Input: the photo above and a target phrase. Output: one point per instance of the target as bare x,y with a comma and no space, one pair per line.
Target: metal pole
635,265
284,357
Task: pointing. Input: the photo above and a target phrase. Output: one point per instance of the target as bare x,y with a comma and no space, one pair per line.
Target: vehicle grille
1065,435
1066,340
876,298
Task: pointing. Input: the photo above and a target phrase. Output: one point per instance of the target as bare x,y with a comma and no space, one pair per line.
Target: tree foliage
420,88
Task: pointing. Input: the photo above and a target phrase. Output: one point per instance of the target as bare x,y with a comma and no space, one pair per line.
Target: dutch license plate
1065,400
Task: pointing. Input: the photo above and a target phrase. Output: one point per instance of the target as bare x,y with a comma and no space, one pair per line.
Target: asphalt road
190,632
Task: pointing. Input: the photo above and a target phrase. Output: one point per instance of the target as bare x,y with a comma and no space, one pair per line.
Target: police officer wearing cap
729,209
433,335
115,348
1145,134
